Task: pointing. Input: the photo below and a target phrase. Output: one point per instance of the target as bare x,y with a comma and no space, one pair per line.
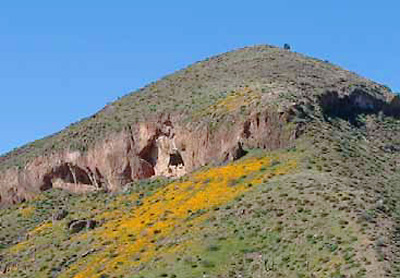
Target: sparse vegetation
328,206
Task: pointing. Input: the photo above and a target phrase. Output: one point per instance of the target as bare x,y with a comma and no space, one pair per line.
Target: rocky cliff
210,112
161,147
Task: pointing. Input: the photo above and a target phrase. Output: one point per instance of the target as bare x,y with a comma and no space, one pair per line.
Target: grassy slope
325,208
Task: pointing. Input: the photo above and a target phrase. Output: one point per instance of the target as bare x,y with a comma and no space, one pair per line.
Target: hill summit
259,162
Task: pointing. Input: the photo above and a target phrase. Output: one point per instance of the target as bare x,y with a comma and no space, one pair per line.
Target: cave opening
175,159
150,153
67,173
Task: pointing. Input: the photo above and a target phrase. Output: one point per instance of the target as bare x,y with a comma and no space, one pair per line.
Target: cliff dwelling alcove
175,159
149,156
150,153
176,165
163,157
67,173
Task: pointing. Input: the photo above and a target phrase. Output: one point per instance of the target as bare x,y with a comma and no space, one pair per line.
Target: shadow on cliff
71,174
358,102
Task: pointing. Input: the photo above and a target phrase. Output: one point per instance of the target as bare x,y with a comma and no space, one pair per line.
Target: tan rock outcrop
163,146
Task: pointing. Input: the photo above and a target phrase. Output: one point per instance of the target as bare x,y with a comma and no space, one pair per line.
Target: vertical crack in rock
246,129
126,175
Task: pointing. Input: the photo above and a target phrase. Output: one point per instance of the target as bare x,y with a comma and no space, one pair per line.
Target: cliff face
161,147
211,112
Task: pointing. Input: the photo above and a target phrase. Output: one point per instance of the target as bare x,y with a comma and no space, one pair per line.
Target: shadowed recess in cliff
149,157
349,107
175,159
150,153
393,109
70,174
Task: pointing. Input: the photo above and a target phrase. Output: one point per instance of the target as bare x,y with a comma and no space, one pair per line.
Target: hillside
259,162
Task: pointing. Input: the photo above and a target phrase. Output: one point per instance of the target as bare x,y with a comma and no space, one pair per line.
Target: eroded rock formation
255,97
160,147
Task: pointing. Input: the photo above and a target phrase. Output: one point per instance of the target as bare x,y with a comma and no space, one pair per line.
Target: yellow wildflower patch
231,102
144,233
237,99
27,211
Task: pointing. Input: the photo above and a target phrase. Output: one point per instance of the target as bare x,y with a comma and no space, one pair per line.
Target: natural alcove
150,153
66,173
349,107
175,159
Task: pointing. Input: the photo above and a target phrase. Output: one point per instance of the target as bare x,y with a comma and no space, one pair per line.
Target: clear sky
61,61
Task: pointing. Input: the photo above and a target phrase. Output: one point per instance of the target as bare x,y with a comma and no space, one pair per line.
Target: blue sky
61,61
